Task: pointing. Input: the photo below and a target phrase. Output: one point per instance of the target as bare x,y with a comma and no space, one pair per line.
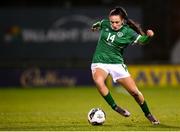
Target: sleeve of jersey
97,25
142,39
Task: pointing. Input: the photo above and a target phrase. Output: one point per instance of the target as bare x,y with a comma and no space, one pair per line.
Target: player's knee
100,84
98,81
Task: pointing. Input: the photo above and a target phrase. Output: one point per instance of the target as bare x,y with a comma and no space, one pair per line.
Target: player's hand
94,29
150,33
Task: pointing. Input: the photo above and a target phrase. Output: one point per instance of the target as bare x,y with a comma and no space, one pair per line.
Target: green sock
145,108
110,100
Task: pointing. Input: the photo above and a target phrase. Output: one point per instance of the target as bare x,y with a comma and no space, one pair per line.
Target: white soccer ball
96,116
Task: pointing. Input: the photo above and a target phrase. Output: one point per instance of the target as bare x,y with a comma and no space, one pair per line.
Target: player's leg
129,84
99,77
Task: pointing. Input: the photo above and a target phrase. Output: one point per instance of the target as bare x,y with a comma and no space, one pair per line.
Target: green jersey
111,43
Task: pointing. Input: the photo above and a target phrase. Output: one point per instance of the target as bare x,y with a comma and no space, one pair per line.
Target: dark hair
122,12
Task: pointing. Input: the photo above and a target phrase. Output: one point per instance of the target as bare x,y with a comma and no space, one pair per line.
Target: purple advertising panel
45,77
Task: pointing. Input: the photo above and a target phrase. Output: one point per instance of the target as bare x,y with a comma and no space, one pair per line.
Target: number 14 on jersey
110,37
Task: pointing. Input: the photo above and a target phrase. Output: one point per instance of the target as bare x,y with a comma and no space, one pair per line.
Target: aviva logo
152,75
162,75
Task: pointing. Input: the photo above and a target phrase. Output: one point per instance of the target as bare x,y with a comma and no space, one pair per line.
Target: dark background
161,16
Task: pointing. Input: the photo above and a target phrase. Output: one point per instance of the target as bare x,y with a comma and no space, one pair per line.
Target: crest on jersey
119,34
107,29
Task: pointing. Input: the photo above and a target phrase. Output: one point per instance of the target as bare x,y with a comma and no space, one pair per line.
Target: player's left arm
143,39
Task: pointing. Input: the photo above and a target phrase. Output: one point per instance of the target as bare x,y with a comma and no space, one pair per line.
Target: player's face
116,22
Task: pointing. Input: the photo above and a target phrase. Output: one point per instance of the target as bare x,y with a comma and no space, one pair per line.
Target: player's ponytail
122,12
135,26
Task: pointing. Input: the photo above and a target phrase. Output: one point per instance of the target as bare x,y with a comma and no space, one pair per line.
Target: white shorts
117,71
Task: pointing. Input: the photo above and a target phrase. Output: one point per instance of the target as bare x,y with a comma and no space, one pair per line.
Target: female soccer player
116,34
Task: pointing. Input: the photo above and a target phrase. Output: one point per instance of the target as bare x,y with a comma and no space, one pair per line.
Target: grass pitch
65,109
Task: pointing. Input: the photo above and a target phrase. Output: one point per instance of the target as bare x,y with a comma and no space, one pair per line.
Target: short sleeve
133,35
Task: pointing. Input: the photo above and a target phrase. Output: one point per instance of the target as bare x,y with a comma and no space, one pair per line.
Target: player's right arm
97,26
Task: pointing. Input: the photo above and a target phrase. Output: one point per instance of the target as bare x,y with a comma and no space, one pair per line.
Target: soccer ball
96,116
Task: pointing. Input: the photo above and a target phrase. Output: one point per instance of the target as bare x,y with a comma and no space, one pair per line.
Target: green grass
65,109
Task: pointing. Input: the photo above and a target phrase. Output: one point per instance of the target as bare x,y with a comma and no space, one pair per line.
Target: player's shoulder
105,22
127,29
